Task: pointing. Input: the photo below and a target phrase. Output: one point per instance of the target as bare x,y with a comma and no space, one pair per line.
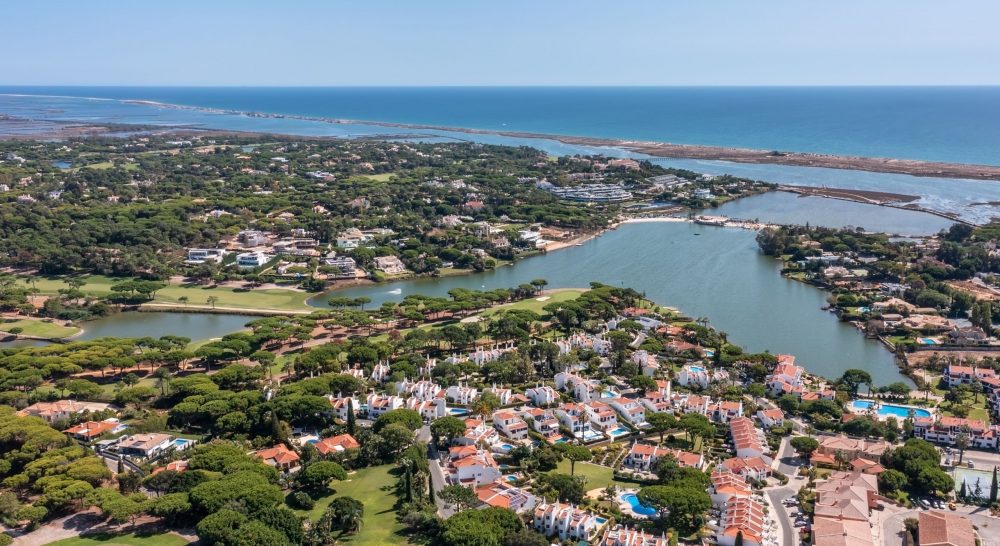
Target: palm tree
962,442
212,300
183,300
353,518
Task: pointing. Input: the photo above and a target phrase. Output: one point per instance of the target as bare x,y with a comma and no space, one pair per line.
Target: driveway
788,461
66,527
437,474
789,533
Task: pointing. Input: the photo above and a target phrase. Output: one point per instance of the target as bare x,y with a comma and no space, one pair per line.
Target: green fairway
533,303
374,487
598,477
197,295
39,328
384,177
122,540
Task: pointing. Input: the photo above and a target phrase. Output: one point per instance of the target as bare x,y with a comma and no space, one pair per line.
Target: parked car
971,464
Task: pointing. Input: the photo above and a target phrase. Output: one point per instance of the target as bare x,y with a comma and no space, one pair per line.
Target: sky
505,42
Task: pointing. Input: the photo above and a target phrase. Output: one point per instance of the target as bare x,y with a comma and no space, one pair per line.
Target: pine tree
408,482
993,487
739,538
121,464
962,491
351,425
277,431
430,488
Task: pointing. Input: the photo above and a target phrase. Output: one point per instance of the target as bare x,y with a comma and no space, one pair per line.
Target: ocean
954,124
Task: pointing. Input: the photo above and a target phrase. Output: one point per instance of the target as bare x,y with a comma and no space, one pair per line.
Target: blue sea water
958,124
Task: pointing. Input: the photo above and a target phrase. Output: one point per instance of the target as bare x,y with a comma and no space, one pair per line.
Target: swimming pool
181,443
458,411
620,431
637,507
696,369
889,410
609,394
601,521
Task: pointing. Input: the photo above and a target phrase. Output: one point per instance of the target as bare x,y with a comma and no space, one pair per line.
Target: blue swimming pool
458,411
181,443
638,507
890,410
620,431
696,369
601,521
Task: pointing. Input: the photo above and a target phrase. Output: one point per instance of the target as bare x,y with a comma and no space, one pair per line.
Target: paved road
789,533
983,460
788,461
437,475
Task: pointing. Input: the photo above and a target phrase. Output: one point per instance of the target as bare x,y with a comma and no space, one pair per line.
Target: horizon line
495,86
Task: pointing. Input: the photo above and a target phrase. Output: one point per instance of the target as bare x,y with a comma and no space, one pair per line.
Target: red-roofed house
280,457
510,424
337,444
746,438
750,468
945,529
770,418
742,516
91,430
643,457
504,495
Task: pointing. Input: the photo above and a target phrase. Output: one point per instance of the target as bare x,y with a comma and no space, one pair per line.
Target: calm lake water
704,271
788,208
193,325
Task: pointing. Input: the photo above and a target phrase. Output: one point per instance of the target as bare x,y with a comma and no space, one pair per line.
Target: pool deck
876,404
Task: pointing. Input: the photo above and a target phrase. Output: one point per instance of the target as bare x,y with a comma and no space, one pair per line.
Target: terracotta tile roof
92,429
337,443
945,529
279,454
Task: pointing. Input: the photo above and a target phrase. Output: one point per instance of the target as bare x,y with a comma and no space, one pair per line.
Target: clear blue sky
505,42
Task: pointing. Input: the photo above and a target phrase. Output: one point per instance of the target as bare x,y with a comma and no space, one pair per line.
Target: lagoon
779,207
704,271
197,326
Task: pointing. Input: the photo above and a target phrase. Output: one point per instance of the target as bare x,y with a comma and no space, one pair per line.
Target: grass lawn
374,488
105,165
598,477
124,540
384,177
197,295
40,328
532,304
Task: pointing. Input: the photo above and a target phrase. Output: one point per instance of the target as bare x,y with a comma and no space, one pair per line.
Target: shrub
301,500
